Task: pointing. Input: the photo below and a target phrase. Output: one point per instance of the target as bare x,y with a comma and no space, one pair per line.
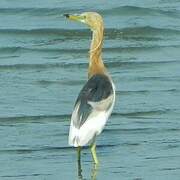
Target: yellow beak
74,17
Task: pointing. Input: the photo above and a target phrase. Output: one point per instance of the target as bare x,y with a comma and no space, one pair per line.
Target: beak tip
66,15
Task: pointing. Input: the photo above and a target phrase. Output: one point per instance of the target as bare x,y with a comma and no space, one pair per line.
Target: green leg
93,151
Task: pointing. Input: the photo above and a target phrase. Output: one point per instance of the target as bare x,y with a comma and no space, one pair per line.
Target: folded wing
95,95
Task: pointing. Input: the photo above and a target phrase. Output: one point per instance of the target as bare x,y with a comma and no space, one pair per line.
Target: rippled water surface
43,65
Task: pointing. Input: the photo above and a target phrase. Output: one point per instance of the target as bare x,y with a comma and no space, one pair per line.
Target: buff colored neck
96,65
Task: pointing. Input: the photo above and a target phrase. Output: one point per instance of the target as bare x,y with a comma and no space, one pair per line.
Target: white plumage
92,127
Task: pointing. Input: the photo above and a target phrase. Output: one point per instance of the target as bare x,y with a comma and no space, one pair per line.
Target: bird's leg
94,155
79,153
79,162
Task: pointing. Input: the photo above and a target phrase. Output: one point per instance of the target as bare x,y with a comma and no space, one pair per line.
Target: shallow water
43,65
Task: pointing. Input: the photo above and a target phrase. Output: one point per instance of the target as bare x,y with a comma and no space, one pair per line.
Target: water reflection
80,177
93,172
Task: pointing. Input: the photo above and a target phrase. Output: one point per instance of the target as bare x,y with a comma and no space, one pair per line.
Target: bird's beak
75,17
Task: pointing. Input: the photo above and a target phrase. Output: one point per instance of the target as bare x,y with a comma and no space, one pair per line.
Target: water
43,65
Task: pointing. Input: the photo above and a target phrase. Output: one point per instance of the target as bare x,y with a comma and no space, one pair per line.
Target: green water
43,66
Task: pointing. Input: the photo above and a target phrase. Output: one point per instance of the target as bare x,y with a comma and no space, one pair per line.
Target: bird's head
92,19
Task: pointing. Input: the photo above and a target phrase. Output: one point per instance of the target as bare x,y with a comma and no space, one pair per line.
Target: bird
96,99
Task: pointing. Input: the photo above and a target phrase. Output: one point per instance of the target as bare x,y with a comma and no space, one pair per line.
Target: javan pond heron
96,99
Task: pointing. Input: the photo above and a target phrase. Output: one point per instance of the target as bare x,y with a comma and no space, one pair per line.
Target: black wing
97,89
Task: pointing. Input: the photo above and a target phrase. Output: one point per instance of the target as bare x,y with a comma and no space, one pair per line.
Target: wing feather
97,94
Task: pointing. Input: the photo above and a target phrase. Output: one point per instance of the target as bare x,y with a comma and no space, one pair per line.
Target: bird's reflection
80,170
93,172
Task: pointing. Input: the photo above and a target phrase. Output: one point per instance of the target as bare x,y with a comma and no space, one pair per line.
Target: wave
134,64
47,149
58,50
120,64
142,113
39,118
130,130
47,31
142,130
135,10
25,175
42,66
65,82
121,11
31,150
63,117
37,11
145,91
148,31
109,32
14,49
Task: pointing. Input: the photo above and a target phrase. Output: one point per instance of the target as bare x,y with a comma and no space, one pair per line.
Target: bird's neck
96,65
